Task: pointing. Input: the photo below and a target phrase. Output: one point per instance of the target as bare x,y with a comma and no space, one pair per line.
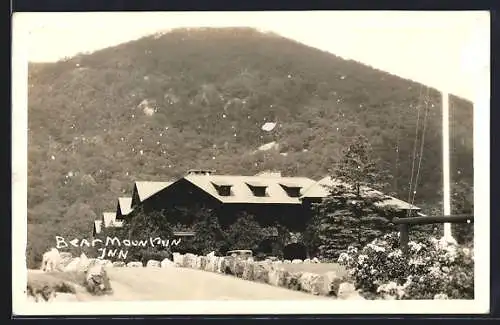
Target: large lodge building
268,196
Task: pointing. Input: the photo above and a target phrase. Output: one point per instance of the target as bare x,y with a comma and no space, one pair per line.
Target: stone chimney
269,173
206,172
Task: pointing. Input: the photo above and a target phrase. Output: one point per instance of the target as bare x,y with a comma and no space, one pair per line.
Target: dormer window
291,190
223,189
258,189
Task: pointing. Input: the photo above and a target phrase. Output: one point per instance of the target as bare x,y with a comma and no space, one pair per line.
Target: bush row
432,269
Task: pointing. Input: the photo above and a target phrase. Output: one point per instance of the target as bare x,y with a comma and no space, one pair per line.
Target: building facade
271,198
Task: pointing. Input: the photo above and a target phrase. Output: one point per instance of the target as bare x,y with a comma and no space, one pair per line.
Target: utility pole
448,237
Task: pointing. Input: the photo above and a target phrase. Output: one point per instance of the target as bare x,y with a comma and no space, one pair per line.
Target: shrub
244,233
209,235
145,255
45,284
432,269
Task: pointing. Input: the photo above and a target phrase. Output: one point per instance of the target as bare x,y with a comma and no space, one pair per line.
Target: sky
445,50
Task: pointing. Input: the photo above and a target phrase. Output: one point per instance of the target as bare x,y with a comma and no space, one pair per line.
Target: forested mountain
197,98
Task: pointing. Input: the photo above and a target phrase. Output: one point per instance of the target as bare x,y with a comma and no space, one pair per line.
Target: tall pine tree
350,215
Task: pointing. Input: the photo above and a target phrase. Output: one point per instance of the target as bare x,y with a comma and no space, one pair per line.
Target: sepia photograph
314,162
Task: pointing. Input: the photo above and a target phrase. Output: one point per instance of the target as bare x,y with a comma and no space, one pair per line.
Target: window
223,189
291,190
258,189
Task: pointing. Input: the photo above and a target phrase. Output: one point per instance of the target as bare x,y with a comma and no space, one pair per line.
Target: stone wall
273,273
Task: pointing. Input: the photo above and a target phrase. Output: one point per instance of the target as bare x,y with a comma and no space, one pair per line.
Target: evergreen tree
336,227
358,168
350,215
149,224
144,225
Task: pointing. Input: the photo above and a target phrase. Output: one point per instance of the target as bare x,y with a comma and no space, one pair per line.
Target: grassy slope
212,90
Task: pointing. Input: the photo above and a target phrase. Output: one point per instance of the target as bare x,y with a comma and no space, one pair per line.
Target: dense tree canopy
209,236
244,233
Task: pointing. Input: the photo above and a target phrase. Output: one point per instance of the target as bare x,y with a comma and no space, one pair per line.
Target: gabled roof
256,183
97,226
125,205
108,218
147,189
241,192
321,190
221,183
289,184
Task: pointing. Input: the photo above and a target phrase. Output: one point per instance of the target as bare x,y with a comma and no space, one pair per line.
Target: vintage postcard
250,163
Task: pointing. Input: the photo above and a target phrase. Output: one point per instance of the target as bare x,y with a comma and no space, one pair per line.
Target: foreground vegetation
433,269
44,286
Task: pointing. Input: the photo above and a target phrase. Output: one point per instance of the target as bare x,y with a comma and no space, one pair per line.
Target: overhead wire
421,146
415,145
396,173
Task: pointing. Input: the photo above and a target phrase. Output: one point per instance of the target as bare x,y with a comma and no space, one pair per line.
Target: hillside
197,98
